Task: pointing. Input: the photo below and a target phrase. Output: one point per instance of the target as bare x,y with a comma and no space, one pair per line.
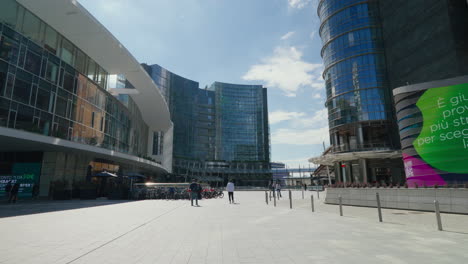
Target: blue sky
269,42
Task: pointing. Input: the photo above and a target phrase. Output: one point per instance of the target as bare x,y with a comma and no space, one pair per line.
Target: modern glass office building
369,49
58,117
241,122
359,102
220,132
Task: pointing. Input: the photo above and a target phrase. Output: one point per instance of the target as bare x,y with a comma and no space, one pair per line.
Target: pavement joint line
133,229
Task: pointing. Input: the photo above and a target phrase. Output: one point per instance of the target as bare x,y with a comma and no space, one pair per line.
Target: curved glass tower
358,101
358,95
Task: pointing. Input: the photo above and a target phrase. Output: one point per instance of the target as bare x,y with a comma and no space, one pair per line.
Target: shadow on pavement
27,207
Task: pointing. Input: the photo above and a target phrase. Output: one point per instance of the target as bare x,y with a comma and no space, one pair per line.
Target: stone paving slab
218,232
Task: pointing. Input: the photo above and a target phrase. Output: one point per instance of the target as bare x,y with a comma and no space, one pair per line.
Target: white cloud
300,137
301,129
319,119
312,34
317,96
287,35
299,4
285,70
280,116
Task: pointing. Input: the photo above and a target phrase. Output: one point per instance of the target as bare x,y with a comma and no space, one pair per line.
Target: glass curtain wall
358,99
240,122
50,87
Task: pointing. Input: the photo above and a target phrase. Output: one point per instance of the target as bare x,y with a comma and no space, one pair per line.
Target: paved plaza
159,231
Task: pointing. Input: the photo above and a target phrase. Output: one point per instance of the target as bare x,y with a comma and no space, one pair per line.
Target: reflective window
32,62
51,72
31,26
80,61
67,51
8,12
50,40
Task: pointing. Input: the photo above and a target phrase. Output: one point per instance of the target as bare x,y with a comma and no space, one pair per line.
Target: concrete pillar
363,165
47,172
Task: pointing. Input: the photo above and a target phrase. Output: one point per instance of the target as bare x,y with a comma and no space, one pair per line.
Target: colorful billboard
433,125
26,174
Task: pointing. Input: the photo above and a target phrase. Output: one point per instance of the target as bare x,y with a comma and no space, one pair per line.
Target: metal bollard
341,205
266,197
270,196
312,202
379,208
274,198
302,193
290,200
437,211
318,193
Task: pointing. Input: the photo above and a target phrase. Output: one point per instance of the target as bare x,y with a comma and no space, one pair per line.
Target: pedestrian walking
272,187
14,193
278,190
194,192
230,190
171,193
305,186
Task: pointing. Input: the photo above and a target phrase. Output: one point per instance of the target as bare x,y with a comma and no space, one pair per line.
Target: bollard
379,208
266,197
302,193
274,198
437,211
270,196
290,200
312,202
341,205
318,193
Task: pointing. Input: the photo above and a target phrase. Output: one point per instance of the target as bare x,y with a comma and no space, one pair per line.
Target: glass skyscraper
369,49
359,101
241,122
220,132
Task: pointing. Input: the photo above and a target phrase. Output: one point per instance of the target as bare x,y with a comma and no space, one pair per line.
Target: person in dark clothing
8,190
14,193
35,191
194,186
305,186
171,193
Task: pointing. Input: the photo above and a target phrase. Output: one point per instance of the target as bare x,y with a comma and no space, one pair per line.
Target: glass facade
241,128
358,99
221,131
50,87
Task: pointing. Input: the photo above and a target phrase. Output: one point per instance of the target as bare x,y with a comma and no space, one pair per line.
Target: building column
363,165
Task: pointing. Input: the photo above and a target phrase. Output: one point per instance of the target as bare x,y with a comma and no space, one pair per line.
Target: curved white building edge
79,27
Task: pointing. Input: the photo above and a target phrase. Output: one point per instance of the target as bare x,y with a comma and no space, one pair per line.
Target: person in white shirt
230,190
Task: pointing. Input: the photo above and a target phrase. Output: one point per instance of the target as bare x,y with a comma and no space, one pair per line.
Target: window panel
33,62
67,52
8,12
52,71
50,40
31,26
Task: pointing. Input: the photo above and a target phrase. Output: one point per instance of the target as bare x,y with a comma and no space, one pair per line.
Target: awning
330,158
